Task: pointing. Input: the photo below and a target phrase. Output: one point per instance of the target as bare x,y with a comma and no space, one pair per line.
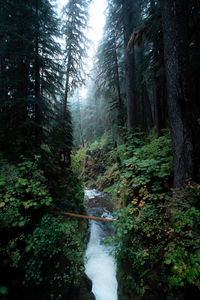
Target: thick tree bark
174,18
139,56
157,50
130,64
117,80
147,109
157,110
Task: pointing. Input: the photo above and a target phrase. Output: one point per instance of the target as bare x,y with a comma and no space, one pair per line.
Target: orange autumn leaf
181,270
141,204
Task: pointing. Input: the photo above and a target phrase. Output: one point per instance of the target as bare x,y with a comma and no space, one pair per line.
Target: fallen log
85,217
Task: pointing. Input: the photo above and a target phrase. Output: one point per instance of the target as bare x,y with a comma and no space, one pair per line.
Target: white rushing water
100,265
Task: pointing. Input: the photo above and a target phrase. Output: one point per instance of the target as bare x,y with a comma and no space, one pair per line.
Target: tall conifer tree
75,15
29,74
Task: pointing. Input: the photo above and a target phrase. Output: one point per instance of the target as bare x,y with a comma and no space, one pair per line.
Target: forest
128,125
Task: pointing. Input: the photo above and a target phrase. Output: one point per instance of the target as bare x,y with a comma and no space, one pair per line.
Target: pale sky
96,22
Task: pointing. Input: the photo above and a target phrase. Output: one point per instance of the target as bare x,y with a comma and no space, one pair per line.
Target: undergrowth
158,228
41,253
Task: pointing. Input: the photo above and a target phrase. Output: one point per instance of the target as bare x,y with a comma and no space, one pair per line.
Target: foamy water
100,264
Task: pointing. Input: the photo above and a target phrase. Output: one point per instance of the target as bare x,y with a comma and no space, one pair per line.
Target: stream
100,265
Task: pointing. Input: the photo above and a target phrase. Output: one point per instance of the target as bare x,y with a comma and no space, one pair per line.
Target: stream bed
100,265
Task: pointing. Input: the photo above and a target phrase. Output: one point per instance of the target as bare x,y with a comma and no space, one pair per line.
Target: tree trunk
130,64
66,153
66,88
157,109
146,109
157,51
38,128
80,125
174,19
117,80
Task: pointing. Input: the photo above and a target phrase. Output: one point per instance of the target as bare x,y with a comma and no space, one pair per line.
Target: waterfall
100,264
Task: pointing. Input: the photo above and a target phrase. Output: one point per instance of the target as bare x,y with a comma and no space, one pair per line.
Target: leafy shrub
143,172
22,188
157,255
157,252
37,248
66,190
105,142
183,251
77,161
74,195
52,238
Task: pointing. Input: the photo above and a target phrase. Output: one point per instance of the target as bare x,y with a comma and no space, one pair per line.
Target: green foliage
22,188
74,195
35,244
50,239
151,166
110,64
29,78
145,170
183,253
77,161
35,181
91,161
60,139
75,15
157,253
104,143
3,292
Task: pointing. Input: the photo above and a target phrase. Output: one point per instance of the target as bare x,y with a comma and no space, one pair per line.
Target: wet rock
86,289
